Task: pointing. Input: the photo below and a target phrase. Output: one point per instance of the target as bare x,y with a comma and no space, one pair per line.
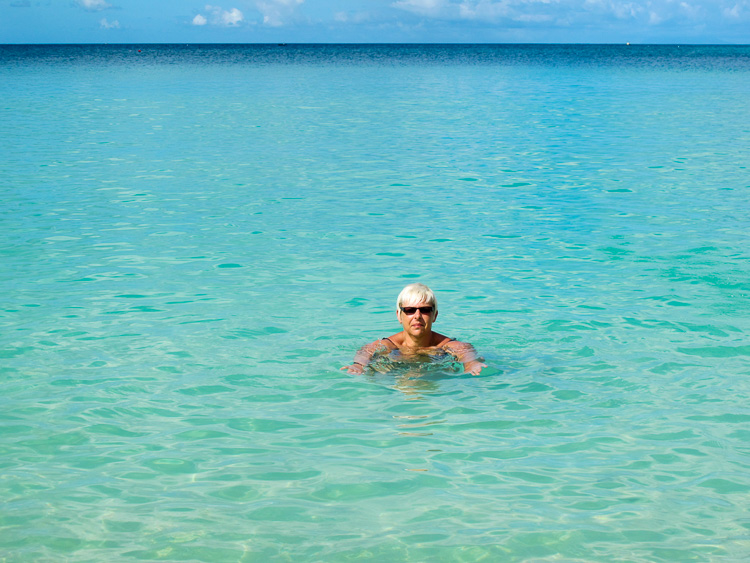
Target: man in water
416,310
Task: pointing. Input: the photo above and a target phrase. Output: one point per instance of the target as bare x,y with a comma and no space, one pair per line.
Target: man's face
415,318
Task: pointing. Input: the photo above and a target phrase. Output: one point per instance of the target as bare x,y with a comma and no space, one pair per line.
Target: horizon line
373,43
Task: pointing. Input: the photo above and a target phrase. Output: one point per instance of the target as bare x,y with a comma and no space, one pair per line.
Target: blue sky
374,21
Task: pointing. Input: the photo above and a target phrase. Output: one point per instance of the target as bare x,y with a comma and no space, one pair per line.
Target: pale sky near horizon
375,21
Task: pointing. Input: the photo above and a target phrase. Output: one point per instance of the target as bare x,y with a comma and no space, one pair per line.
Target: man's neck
413,342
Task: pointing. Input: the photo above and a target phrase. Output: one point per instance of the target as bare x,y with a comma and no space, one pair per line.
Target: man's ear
434,318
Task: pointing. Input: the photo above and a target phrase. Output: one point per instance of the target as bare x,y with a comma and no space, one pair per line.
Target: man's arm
364,356
467,355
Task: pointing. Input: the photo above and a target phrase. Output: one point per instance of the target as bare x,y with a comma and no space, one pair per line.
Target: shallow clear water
196,239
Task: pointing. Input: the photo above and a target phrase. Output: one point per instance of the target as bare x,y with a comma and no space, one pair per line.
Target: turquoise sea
195,239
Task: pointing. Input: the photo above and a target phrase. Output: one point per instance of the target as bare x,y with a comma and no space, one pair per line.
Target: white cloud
621,10
231,17
654,18
483,10
738,10
220,17
651,12
356,17
429,8
692,11
94,5
657,12
104,24
277,12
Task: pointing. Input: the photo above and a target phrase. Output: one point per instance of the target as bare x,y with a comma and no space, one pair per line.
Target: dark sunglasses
412,310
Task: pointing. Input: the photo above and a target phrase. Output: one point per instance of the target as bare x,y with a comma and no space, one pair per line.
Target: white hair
416,293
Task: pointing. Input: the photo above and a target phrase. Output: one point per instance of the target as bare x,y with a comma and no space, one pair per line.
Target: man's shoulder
393,341
441,339
455,344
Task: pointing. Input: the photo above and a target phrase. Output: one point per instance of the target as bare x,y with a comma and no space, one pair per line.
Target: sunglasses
411,310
